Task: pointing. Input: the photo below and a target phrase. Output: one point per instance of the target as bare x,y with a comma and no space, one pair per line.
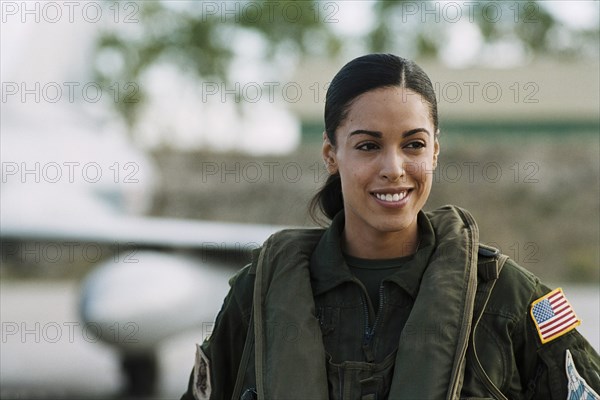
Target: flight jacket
469,333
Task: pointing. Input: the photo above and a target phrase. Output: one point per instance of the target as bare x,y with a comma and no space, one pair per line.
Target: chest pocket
353,380
341,319
329,319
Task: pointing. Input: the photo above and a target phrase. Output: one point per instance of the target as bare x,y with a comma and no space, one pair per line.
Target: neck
381,245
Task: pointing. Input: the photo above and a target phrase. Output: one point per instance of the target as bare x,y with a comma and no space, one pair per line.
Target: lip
392,204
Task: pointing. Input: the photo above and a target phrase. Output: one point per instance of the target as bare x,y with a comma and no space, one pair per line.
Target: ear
328,153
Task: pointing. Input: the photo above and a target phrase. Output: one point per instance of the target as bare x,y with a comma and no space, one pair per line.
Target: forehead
388,109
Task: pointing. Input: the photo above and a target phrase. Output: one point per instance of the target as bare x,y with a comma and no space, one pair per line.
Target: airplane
164,276
157,276
72,180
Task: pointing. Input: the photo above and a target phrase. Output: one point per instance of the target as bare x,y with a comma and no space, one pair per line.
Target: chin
393,225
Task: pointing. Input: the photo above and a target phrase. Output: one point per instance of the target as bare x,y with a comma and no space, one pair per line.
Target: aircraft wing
142,232
160,265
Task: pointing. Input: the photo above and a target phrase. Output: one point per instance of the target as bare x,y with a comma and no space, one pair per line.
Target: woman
389,301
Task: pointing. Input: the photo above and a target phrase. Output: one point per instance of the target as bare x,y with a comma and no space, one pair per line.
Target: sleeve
565,367
217,359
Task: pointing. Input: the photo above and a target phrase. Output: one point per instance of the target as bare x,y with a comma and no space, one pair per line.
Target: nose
392,166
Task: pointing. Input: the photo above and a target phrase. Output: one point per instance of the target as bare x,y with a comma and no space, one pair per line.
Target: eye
368,146
416,145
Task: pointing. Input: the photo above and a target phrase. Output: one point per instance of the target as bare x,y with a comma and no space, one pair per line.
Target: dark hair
359,76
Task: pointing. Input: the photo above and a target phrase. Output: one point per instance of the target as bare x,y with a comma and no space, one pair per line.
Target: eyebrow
378,135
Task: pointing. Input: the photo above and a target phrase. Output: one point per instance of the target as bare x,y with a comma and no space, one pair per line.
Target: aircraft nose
134,305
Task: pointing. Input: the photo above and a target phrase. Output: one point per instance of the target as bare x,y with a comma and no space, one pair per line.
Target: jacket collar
328,267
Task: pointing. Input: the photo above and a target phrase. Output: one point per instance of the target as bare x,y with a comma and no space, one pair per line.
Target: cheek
423,171
354,177
350,180
362,173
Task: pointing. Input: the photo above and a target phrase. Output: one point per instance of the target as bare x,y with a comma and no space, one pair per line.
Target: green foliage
201,40
427,23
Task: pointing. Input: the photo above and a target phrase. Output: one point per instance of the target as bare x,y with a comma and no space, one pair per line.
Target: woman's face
386,150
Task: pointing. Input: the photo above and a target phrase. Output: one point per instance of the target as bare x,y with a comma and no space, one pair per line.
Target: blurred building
545,95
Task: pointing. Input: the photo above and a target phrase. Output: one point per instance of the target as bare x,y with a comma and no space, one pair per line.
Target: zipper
370,331
367,332
366,306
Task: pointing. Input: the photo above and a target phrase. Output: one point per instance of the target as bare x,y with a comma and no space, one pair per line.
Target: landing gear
141,374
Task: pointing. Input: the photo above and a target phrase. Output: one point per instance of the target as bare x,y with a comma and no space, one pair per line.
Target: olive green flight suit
504,358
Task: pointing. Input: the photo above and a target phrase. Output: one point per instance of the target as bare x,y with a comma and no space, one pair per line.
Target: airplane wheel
141,373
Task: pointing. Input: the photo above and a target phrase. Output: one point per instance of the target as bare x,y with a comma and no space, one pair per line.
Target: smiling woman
389,301
383,153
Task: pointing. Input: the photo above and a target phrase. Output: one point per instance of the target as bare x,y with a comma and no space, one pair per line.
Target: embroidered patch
201,385
553,315
578,387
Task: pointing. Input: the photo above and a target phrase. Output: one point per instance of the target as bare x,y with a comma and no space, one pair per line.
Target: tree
200,37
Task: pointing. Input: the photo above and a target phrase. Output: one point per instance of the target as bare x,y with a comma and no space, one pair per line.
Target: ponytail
328,200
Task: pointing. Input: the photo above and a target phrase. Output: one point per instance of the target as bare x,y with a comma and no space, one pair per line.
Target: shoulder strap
446,298
489,264
248,348
283,297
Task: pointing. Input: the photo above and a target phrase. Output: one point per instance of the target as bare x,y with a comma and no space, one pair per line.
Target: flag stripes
553,315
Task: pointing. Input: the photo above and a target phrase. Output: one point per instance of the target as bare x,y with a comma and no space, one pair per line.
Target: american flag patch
553,315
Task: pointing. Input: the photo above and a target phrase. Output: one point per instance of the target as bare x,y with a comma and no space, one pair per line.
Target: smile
391,198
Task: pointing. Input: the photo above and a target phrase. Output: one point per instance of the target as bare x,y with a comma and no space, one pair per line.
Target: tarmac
47,353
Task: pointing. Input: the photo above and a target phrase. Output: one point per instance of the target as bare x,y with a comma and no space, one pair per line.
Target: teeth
391,198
